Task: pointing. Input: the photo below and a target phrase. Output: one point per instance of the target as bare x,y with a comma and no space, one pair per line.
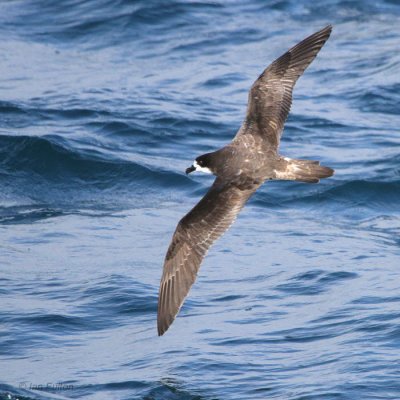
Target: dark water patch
375,389
38,115
95,25
338,276
224,80
112,387
11,108
216,43
26,214
41,330
69,25
168,134
91,309
370,324
74,113
55,323
53,177
302,335
309,275
15,115
25,339
9,392
228,298
362,321
380,99
29,214
388,166
314,282
322,395
335,318
44,157
350,11
359,193
370,300
117,296
70,389
238,341
116,127
170,389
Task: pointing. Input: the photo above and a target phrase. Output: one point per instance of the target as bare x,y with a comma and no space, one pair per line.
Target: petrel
240,167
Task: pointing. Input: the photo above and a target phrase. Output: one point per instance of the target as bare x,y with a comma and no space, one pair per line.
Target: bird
240,167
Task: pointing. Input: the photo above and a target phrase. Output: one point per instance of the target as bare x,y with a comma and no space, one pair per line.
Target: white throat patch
200,168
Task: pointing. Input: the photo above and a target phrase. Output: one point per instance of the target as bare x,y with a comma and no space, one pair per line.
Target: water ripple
103,107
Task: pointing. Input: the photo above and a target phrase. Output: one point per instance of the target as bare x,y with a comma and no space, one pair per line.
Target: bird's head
202,164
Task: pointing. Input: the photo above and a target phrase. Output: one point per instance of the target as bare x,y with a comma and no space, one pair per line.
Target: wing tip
161,331
162,325
164,319
167,311
328,27
326,31
320,36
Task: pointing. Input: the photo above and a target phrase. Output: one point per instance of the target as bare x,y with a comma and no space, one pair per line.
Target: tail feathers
303,171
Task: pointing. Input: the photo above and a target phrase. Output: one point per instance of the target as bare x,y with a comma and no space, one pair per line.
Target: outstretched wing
195,233
270,96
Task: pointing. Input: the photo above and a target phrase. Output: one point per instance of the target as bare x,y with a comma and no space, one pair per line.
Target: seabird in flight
240,167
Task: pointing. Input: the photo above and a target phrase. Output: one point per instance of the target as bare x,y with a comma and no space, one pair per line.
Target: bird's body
240,167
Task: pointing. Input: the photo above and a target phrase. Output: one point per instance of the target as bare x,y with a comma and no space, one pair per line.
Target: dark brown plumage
270,97
241,167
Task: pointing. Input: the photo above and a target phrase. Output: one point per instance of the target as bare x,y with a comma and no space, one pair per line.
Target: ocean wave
100,23
47,158
10,392
44,177
380,99
104,104
374,195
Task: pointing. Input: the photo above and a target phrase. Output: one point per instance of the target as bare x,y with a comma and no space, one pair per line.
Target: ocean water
103,104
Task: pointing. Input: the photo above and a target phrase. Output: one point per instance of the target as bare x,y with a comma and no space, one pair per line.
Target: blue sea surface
103,105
